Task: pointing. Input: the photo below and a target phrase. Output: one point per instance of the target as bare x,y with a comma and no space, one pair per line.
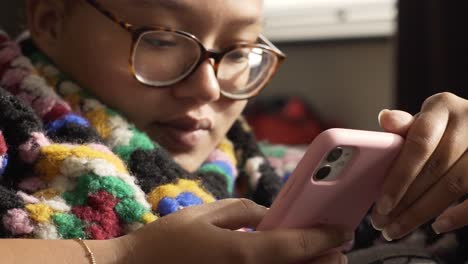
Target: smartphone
336,182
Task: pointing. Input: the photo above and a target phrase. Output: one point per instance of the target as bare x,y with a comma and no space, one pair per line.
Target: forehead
187,3
249,10
239,19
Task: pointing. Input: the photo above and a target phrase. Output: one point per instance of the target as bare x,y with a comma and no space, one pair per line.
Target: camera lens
322,173
335,155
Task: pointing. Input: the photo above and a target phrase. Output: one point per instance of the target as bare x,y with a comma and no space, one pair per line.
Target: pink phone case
304,202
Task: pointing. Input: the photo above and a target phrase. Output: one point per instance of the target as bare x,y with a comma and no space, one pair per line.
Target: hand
431,172
205,234
332,258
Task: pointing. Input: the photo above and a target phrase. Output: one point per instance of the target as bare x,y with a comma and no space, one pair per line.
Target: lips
189,124
184,134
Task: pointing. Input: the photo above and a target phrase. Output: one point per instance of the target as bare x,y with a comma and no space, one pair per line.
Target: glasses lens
162,58
244,70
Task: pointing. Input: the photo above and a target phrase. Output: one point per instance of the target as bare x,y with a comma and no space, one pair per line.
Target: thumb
236,213
395,121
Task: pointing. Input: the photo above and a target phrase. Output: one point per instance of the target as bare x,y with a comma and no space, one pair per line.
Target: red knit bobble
102,201
59,110
3,146
103,222
3,37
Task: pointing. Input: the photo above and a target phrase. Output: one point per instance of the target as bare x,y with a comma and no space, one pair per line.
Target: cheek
100,63
95,58
229,112
95,42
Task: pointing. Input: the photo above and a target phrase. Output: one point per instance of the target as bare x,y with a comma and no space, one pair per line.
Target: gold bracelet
89,254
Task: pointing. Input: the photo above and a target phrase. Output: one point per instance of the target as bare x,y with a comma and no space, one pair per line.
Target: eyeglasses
161,57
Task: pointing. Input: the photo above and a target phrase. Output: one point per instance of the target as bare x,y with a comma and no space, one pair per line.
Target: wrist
112,251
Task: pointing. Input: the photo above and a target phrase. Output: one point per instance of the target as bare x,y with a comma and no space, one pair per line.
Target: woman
186,98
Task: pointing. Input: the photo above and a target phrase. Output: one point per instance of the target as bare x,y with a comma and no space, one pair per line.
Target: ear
45,22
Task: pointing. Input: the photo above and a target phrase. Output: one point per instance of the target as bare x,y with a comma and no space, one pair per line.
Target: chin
188,161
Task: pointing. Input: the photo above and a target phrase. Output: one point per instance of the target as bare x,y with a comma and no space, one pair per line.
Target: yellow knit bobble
173,190
99,120
227,147
149,217
41,213
51,158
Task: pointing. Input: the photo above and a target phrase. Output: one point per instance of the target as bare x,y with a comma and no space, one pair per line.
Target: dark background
432,50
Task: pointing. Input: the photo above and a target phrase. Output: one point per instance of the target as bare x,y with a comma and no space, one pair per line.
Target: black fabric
8,200
155,167
366,235
75,134
215,184
269,183
392,254
17,122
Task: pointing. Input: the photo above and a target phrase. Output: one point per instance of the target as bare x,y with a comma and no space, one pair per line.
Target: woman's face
189,118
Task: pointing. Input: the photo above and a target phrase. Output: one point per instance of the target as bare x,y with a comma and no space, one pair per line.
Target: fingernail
381,112
374,226
442,225
386,236
392,231
384,206
379,221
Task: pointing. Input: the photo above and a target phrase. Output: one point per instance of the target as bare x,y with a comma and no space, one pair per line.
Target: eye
238,56
160,42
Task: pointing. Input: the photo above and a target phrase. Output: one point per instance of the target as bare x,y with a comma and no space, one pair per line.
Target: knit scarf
73,168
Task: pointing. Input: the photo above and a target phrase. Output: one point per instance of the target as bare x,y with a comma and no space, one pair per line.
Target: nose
202,85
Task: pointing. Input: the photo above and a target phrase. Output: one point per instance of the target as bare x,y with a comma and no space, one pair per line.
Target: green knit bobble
130,210
90,183
139,141
69,226
85,183
272,151
117,187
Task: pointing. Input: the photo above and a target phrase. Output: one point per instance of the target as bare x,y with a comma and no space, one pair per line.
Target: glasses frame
205,54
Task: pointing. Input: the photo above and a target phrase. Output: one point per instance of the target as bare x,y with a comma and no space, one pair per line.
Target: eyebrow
169,4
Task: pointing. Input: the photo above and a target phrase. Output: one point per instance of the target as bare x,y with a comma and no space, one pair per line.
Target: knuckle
247,204
447,97
444,98
432,168
307,246
420,142
456,184
303,243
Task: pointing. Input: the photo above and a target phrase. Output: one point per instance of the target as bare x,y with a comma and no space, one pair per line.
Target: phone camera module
335,154
323,172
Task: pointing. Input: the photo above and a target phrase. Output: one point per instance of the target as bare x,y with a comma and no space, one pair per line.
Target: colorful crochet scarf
71,167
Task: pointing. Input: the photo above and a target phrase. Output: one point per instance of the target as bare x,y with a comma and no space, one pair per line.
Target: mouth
189,124
183,134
